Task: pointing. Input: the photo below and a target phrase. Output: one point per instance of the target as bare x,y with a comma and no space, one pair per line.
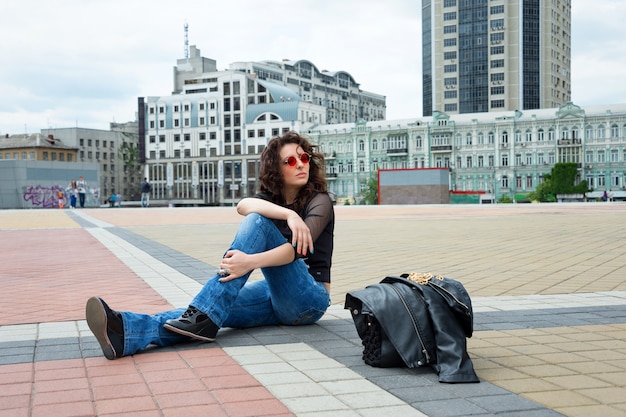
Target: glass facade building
494,55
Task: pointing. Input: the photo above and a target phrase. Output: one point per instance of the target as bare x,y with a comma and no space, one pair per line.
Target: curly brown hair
271,177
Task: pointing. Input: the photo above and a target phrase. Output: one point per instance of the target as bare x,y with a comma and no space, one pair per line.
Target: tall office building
494,55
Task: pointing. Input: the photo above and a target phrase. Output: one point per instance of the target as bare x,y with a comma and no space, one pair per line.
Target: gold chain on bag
423,277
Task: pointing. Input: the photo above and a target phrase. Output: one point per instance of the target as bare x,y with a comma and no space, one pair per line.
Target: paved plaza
547,282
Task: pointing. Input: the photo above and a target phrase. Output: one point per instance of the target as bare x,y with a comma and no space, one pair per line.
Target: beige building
115,151
497,55
36,147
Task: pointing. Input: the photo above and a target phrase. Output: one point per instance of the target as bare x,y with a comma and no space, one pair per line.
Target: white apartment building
202,143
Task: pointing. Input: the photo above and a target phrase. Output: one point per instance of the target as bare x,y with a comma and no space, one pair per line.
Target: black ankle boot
193,323
107,326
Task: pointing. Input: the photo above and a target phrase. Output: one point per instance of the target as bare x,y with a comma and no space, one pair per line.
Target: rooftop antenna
186,41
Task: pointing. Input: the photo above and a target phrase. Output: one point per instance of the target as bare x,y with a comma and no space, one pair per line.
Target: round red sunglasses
292,160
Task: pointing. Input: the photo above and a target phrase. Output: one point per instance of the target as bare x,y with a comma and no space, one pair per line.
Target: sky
83,63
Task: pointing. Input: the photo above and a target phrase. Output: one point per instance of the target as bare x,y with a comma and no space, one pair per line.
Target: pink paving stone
16,412
101,366
256,408
183,399
163,365
115,380
59,374
238,394
145,413
60,364
218,371
16,389
212,410
171,387
54,385
156,355
81,409
124,405
169,375
123,390
65,396
14,401
17,373
231,381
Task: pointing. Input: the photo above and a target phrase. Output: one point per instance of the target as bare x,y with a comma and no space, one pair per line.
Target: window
497,50
449,29
614,155
497,23
497,63
496,9
449,55
449,42
450,107
450,94
497,104
496,37
449,68
449,16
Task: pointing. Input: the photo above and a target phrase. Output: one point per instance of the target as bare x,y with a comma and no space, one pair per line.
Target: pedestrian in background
82,191
72,190
146,188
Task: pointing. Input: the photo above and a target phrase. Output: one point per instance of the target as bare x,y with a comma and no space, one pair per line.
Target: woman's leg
255,234
141,330
288,295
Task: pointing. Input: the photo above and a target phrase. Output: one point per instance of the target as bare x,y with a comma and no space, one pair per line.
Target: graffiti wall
37,184
40,196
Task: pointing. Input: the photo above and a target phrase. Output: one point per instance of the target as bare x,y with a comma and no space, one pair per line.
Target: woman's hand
236,264
301,234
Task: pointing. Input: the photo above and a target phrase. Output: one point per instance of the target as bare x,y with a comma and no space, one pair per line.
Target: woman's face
297,175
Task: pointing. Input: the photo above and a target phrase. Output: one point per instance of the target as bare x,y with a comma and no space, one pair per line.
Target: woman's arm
263,207
301,234
239,263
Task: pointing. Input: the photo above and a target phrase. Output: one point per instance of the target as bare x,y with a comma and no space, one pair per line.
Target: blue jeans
288,295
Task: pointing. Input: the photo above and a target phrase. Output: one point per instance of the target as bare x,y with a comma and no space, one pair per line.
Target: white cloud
85,62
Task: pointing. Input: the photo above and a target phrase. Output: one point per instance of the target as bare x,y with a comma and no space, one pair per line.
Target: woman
287,232
82,191
73,192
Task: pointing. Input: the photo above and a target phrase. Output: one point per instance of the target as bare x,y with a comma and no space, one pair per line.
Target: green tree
370,192
561,180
